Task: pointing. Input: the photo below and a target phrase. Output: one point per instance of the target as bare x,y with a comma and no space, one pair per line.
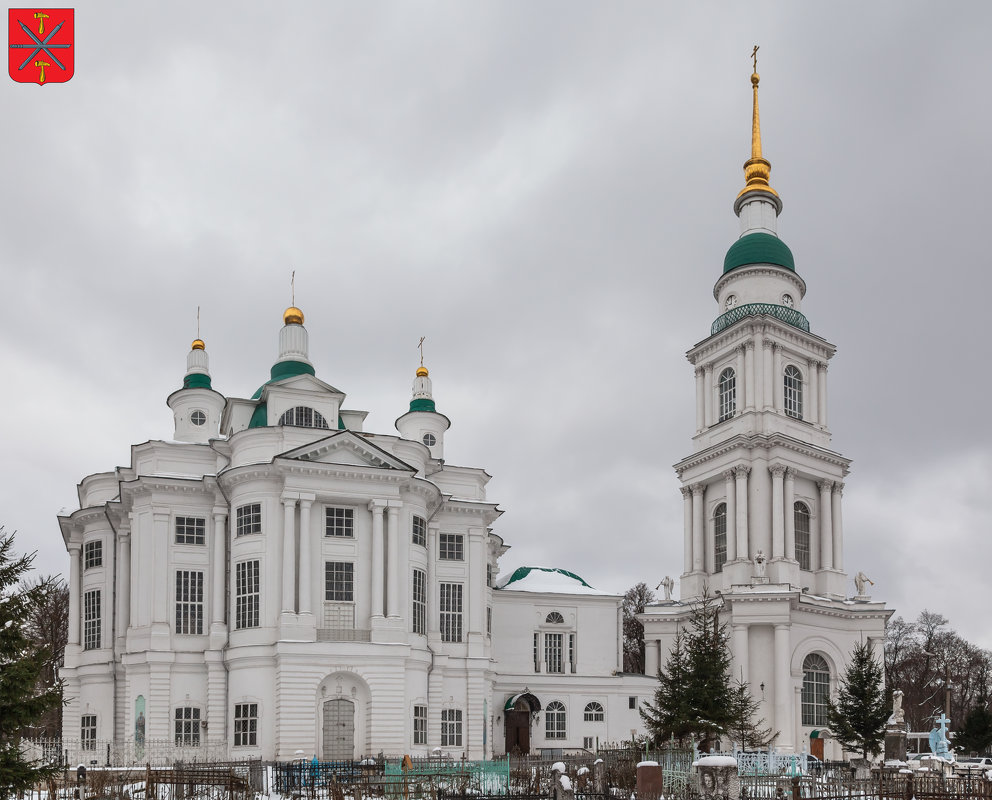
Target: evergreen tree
975,735
858,719
23,700
693,700
634,601
745,726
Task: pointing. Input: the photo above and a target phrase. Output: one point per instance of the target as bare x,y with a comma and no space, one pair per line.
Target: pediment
347,448
301,383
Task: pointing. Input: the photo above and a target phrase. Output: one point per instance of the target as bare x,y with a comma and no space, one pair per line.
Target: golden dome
292,316
198,345
421,372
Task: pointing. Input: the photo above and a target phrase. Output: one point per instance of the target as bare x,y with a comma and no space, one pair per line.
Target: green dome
758,248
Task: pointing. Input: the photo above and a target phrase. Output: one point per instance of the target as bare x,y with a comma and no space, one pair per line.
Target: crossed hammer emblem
38,46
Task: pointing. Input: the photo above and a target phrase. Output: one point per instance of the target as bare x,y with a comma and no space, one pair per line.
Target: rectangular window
419,535
339,580
93,554
193,530
451,547
537,652
187,727
420,724
489,575
91,620
189,602
720,537
245,724
631,702
87,731
451,727
451,612
588,743
801,519
248,519
247,591
420,602
339,522
553,643
571,651
489,620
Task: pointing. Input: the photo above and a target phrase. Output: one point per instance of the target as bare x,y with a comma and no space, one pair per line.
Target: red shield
40,45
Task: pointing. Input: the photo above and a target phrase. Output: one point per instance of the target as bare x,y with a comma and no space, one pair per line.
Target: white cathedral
274,579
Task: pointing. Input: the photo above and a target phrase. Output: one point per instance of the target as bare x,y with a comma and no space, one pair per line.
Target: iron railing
782,313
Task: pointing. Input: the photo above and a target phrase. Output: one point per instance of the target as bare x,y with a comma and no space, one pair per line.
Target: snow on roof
546,579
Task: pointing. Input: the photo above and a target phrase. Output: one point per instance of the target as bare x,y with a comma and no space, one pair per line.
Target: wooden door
816,747
518,732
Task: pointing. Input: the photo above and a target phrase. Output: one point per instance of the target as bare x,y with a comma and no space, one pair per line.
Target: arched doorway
518,709
338,722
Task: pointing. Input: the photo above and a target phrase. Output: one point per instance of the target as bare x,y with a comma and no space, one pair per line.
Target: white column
838,526
821,385
433,618
75,591
790,514
752,387
219,566
160,572
810,412
740,652
826,526
687,558
289,555
731,491
768,401
783,679
743,391
759,371
697,527
377,507
306,556
708,394
651,660
743,548
778,510
777,386
123,584
700,400
392,570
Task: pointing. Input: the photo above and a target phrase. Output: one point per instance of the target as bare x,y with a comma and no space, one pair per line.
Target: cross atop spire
756,169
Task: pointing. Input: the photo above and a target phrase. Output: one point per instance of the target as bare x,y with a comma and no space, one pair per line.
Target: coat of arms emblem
40,45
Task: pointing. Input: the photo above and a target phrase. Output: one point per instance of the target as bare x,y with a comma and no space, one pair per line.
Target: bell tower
762,487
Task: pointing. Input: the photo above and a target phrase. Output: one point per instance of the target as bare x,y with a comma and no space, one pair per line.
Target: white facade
763,491
275,579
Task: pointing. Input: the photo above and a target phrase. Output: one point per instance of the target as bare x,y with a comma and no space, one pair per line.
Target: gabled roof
347,448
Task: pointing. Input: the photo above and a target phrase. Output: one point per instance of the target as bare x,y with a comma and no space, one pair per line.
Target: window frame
802,525
87,732
719,537
555,720
247,594
594,712
190,530
248,520
339,581
418,599
451,547
92,619
245,728
554,653
792,391
815,694
187,726
419,725
93,554
303,417
451,609
451,727
189,602
418,530
339,522
727,394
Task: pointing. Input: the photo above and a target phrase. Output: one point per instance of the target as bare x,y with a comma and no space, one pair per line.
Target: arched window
720,537
816,690
555,618
801,516
554,720
593,712
728,394
303,417
793,392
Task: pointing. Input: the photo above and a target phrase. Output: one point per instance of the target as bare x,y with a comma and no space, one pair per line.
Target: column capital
742,471
778,470
697,489
749,344
782,626
825,485
686,491
219,512
708,368
698,372
728,474
768,344
377,505
289,500
790,473
740,348
74,545
839,487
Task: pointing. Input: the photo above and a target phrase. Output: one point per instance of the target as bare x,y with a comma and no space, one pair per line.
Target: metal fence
110,753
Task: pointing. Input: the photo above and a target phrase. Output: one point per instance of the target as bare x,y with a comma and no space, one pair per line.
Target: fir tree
975,735
745,726
668,717
858,719
23,700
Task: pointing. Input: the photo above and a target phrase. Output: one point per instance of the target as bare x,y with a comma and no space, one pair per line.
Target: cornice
719,343
489,511
759,441
739,273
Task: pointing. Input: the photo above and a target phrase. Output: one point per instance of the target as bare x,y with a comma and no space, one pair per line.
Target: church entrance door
518,726
339,730
816,747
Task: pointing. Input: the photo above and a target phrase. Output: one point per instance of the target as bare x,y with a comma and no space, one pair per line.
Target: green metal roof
758,248
422,404
196,380
522,572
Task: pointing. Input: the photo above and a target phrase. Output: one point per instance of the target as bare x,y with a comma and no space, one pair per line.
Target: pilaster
730,488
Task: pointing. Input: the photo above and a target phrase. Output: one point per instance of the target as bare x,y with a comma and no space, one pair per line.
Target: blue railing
783,313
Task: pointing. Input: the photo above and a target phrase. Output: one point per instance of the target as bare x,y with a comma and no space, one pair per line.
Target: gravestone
717,778
895,730
649,781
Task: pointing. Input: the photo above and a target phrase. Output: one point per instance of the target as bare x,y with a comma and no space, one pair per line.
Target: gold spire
421,370
756,169
292,316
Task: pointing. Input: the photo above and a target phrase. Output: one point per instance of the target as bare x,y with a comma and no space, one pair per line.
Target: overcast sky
544,191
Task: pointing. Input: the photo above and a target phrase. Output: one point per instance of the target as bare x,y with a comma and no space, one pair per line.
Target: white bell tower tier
196,408
422,423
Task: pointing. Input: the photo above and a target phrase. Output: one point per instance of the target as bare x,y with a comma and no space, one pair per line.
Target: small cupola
422,423
196,407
